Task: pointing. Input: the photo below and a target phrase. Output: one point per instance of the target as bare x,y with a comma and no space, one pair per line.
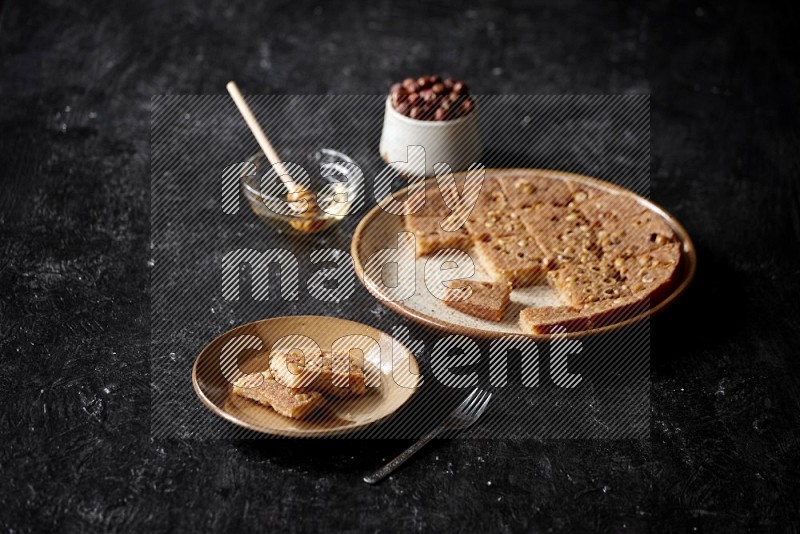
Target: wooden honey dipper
300,199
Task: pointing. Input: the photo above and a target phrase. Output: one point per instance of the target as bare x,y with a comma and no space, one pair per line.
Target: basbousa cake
292,403
336,373
486,300
606,254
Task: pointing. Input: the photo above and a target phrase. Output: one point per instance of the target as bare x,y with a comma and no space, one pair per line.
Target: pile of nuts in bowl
431,98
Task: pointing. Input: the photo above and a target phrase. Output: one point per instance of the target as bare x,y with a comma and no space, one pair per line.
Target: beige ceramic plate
393,376
378,230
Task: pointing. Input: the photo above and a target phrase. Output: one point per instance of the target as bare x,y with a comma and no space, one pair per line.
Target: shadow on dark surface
705,314
348,456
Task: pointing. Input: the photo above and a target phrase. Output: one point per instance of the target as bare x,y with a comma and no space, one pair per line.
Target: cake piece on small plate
262,388
485,300
336,373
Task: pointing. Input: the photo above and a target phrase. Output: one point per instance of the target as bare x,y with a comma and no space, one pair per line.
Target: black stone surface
75,87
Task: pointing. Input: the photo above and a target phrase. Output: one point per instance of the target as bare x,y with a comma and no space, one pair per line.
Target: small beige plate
394,376
378,230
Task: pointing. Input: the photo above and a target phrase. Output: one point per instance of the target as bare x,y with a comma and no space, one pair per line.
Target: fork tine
472,410
460,412
468,400
477,407
484,405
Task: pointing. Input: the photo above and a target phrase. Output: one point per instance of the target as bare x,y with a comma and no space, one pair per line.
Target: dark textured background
75,87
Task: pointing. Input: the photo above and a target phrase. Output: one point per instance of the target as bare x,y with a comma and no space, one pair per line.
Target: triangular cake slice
486,300
262,388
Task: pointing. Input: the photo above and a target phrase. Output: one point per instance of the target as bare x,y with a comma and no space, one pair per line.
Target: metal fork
462,417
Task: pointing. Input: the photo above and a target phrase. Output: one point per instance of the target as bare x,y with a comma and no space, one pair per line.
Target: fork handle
390,467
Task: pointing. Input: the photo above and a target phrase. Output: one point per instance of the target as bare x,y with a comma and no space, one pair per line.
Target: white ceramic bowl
455,142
